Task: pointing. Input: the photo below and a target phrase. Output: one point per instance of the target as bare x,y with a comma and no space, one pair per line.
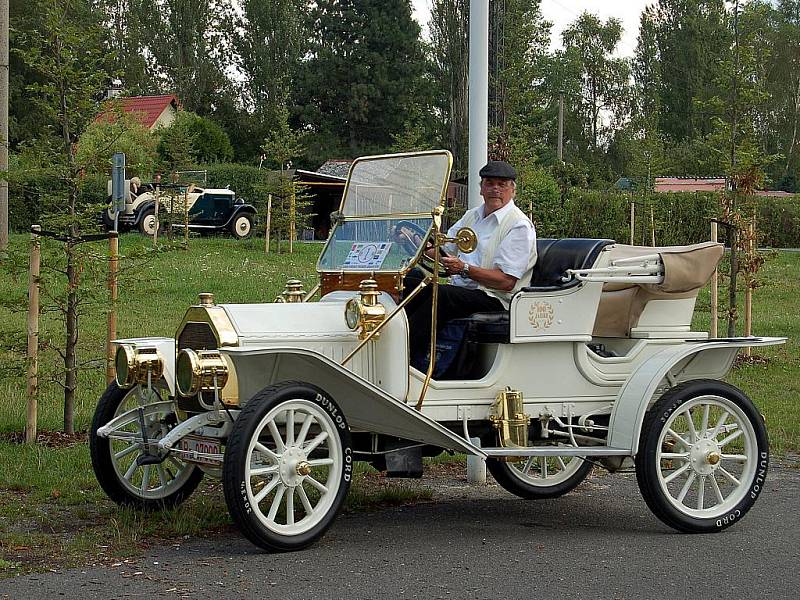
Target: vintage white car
594,363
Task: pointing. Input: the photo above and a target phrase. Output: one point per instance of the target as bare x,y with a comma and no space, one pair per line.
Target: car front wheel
288,466
242,227
148,223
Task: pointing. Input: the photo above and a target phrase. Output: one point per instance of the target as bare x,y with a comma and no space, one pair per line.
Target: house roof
689,184
147,108
336,166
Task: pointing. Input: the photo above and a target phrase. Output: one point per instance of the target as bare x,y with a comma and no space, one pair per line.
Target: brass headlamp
509,418
200,370
133,365
365,312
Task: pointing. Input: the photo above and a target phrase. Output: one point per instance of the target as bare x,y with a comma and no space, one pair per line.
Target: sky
562,12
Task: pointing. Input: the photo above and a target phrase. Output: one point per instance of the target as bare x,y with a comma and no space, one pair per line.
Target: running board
558,451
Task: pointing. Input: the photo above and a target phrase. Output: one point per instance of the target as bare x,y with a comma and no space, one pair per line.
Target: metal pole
3,123
266,228
633,219
33,338
111,329
478,94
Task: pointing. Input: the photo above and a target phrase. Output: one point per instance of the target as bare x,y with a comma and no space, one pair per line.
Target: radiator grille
197,336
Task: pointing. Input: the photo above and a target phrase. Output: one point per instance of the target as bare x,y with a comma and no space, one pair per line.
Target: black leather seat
554,257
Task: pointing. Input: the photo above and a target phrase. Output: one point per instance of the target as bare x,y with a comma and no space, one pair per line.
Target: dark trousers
455,302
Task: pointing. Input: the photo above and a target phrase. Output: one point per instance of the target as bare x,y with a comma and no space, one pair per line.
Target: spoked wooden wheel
288,466
703,456
114,459
539,477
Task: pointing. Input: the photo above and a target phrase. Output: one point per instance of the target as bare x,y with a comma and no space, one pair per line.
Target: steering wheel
411,236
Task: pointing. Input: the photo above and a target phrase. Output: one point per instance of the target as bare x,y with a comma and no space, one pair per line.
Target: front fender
366,407
238,209
692,360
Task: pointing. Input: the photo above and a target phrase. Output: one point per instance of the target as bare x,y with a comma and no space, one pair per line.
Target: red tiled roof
146,108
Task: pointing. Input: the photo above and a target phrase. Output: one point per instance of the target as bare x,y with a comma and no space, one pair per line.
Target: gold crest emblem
541,315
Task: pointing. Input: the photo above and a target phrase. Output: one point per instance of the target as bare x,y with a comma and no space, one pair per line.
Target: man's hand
490,278
452,264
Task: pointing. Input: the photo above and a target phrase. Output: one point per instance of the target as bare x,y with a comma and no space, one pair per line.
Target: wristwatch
465,271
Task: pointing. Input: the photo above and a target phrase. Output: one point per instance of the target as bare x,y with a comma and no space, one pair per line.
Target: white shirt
513,252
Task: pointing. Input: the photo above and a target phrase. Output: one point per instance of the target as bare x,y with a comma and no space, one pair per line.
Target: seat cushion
556,256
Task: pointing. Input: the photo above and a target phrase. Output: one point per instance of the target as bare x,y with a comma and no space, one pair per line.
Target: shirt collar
499,213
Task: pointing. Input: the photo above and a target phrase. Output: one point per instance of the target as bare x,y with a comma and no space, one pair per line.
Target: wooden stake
633,219
292,225
267,227
748,292
652,227
714,287
33,337
111,329
186,215
155,233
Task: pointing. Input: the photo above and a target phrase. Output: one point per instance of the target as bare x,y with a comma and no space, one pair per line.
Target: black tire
663,459
528,479
145,222
242,226
108,222
288,467
181,478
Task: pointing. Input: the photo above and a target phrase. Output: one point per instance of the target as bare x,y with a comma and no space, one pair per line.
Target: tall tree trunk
796,115
733,232
70,352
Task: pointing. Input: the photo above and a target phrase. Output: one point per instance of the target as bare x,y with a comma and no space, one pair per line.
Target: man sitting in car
485,279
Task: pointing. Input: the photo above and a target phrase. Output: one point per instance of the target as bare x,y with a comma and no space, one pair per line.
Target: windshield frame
382,217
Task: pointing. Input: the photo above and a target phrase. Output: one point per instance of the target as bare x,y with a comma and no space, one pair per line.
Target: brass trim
207,369
509,418
292,292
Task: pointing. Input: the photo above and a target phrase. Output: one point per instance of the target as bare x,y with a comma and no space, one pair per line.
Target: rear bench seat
554,257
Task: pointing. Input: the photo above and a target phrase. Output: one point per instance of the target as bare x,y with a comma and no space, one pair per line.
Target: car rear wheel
122,477
540,477
703,456
288,466
242,226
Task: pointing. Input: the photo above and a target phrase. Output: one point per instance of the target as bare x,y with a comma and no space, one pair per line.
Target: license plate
199,449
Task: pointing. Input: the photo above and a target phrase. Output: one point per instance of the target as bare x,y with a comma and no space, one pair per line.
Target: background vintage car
210,210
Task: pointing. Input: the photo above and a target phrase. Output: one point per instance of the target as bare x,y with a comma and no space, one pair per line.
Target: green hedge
28,195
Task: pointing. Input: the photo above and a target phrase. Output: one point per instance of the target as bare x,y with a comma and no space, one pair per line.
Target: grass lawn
52,512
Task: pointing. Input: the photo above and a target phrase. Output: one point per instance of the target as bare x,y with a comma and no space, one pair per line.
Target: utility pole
3,124
733,234
561,128
478,95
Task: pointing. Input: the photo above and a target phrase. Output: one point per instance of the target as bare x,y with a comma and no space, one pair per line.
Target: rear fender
693,360
237,210
365,406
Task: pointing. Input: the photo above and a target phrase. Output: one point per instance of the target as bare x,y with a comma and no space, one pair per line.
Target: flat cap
499,169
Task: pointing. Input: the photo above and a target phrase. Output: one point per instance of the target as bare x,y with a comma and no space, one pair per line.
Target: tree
122,134
363,74
449,27
604,79
66,54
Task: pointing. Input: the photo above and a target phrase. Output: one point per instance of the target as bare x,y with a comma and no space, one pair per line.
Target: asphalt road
598,542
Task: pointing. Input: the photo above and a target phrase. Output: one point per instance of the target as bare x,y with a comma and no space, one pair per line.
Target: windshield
386,212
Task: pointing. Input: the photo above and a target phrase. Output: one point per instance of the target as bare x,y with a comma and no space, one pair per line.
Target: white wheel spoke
675,455
162,478
301,437
686,487
544,467
304,500
730,438
131,470
320,462
528,463
267,489
290,507
264,470
177,464
561,462
290,427
145,479
679,438
276,503
264,450
740,458
690,423
704,422
126,451
717,491
316,442
276,436
728,476
316,484
719,424
677,473
701,492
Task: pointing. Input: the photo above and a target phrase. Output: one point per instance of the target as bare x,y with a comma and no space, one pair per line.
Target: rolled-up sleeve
514,252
